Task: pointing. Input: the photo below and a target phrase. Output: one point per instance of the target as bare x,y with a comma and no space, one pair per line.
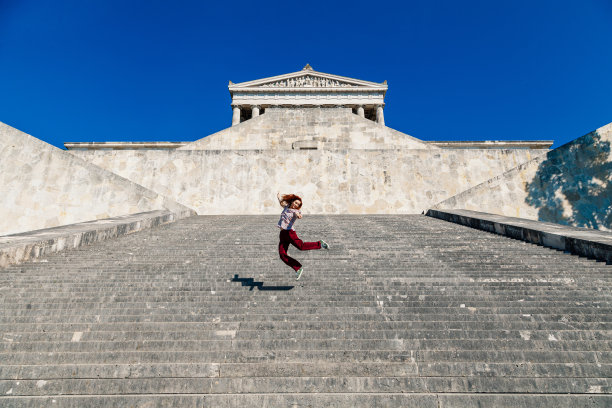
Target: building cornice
345,84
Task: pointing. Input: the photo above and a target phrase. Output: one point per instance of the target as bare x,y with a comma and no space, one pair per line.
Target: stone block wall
42,187
570,185
400,181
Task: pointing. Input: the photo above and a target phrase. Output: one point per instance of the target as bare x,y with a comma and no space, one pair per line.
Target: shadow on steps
250,282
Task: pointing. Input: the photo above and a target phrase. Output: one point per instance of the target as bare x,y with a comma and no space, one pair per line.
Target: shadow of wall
573,186
570,185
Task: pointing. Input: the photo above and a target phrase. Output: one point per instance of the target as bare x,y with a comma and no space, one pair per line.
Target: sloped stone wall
294,128
42,187
570,185
330,181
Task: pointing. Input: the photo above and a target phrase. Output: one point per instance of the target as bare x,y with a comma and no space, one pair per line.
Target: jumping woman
291,212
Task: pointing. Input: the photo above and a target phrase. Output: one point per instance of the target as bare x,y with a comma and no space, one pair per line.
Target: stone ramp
402,311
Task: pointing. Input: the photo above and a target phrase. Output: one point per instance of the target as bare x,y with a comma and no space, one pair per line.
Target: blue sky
73,71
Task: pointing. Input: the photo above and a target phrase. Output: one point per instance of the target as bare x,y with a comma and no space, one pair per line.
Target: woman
291,204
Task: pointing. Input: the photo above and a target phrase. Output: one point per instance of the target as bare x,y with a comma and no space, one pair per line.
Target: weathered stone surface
402,311
322,128
43,187
570,185
578,241
31,245
330,181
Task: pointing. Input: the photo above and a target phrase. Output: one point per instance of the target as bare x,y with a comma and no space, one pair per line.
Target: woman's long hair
288,199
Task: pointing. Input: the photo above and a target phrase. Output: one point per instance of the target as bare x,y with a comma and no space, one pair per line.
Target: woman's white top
287,218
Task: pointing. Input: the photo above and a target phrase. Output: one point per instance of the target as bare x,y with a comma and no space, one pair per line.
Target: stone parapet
578,241
28,246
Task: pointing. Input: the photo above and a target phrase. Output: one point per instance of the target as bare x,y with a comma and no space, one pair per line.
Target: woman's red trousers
287,237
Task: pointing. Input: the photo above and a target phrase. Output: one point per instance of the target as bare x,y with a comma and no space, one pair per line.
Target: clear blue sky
109,70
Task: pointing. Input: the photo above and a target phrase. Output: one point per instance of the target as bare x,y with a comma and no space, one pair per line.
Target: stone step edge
394,400
424,400
28,246
585,242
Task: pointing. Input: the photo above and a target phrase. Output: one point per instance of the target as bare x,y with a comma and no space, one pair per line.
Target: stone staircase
403,311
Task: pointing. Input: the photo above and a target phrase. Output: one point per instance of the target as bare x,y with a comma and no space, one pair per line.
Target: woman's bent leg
301,245
283,245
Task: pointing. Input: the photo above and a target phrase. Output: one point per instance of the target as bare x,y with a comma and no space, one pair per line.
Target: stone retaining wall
330,181
570,185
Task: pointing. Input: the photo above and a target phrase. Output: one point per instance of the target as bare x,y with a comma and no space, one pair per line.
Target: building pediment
308,78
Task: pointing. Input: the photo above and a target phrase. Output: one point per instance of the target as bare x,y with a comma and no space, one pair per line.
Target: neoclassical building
308,89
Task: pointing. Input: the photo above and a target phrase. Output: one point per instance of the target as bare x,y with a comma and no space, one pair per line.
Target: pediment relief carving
307,81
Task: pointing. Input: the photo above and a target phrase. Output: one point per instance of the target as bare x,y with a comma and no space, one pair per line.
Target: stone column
236,115
255,110
360,111
380,117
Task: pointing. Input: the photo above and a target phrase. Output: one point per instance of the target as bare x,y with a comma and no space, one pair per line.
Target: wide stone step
312,344
469,308
270,288
300,369
14,308
290,333
345,355
355,317
12,330
339,384
358,400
